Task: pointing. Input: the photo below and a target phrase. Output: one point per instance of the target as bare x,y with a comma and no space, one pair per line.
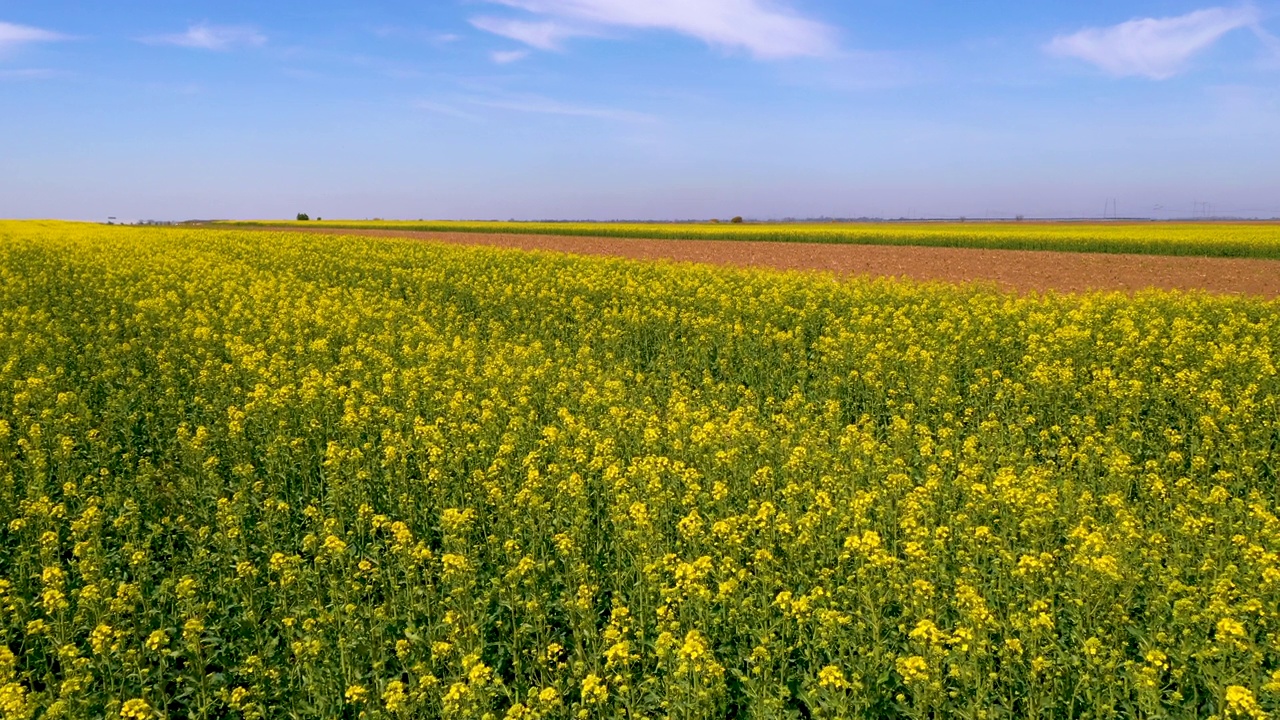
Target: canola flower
261,475
1235,239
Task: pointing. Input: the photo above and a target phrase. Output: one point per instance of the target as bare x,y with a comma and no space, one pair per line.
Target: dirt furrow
1018,270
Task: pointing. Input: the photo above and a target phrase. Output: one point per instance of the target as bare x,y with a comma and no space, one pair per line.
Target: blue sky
662,109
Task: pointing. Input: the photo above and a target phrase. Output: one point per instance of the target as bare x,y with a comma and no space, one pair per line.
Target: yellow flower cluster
258,475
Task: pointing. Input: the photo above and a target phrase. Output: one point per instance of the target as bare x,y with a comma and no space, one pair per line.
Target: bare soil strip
1017,270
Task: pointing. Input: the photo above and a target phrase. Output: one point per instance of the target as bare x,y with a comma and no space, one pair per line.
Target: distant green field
1256,239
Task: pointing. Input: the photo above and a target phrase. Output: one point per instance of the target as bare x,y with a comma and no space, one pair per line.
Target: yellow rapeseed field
261,475
1209,239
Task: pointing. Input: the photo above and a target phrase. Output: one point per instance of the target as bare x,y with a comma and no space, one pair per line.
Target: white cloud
1156,48
212,37
542,35
12,35
761,27
503,57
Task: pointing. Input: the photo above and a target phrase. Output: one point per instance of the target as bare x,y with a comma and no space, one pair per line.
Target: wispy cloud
762,28
483,98
29,74
546,106
437,108
1272,44
435,37
12,35
504,57
204,36
543,35
1155,48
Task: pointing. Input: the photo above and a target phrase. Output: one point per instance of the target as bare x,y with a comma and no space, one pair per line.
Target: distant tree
737,220
318,218
303,217
715,221
1019,218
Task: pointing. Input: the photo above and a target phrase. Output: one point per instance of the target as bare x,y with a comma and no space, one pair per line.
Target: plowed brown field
1018,270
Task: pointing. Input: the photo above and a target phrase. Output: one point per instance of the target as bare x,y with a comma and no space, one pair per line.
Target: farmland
258,474
1244,239
1014,270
